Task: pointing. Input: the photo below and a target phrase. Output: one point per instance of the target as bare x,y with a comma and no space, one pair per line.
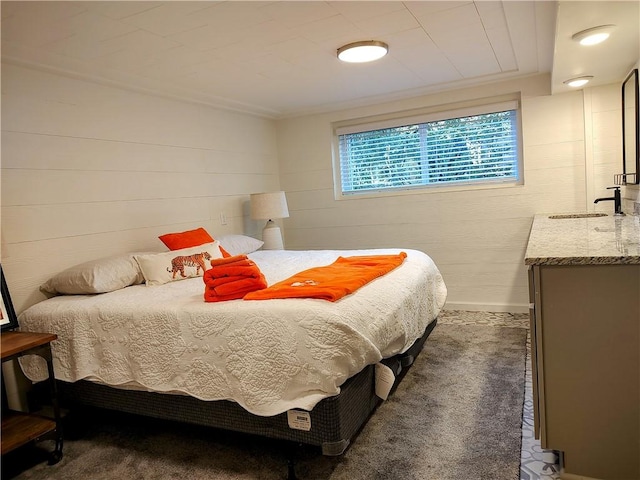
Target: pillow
187,239
96,276
239,244
190,238
166,267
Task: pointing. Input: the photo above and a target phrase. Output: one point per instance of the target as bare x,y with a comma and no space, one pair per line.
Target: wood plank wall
90,171
477,237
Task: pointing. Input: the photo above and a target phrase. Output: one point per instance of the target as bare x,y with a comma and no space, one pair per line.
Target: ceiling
609,62
278,58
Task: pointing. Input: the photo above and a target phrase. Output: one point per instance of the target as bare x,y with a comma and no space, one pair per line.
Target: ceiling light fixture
578,81
593,36
360,52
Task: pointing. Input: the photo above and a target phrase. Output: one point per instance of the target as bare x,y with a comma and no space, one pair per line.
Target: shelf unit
20,428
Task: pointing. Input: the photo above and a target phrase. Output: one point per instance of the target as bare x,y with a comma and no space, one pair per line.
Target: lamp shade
266,206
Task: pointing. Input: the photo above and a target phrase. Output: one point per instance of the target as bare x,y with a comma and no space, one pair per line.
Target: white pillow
190,262
239,244
96,276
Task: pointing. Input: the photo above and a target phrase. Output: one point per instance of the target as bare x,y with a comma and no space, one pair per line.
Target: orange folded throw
231,278
331,282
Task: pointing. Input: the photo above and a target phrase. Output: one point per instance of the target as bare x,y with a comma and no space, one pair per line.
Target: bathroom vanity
584,283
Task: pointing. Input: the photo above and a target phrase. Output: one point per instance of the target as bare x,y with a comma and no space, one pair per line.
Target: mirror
630,129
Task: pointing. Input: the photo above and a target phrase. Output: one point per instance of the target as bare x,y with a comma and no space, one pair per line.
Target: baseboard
487,307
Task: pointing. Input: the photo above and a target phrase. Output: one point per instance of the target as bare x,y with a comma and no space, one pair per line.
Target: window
472,146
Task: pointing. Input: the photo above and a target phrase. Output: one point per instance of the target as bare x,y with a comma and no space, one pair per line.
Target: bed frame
334,420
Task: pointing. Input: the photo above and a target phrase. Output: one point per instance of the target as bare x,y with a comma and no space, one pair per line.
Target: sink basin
578,215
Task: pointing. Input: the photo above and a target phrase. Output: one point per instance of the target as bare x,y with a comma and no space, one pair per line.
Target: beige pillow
239,244
166,267
96,276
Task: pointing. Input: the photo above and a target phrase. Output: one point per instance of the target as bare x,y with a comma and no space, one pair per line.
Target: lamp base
272,237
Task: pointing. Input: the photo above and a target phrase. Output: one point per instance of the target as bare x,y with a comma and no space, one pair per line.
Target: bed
294,369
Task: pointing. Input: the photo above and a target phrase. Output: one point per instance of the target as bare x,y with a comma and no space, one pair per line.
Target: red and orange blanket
232,278
238,277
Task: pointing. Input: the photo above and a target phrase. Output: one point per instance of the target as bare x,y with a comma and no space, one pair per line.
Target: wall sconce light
593,36
267,206
361,52
578,81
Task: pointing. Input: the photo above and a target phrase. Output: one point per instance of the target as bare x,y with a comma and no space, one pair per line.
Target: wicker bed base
334,420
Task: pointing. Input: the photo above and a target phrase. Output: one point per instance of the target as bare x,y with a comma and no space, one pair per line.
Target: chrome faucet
617,200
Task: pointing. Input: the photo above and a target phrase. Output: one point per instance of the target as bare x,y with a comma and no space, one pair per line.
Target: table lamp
267,206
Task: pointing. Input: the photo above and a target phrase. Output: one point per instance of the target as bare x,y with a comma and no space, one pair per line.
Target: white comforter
269,356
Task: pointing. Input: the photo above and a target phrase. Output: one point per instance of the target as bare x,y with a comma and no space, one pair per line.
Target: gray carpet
456,415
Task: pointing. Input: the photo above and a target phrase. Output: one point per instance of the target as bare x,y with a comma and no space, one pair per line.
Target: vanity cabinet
585,342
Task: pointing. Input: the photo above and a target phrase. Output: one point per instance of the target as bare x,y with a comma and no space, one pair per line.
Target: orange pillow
190,238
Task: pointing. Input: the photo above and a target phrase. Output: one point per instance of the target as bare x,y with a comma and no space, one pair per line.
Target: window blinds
466,149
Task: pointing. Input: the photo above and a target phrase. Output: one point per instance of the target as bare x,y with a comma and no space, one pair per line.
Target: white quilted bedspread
269,356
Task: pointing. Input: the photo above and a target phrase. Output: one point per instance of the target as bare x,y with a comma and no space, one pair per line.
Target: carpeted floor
457,414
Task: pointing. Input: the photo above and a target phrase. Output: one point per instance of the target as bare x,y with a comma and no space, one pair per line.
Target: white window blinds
479,147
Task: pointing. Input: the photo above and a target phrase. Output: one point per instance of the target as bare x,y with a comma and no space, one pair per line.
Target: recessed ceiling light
360,52
578,81
593,36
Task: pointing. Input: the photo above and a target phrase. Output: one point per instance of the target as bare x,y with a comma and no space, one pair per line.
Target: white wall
89,170
477,237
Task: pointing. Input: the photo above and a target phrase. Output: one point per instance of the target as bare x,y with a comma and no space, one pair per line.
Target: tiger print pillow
167,267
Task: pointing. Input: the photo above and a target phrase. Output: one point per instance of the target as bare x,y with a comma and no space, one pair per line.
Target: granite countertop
595,240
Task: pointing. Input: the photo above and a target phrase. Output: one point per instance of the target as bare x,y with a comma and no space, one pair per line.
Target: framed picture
8,318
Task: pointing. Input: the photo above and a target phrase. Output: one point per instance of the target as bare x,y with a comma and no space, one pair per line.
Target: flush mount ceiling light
360,52
578,81
593,36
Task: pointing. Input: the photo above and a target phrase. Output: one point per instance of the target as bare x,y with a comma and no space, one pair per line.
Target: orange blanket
232,278
331,282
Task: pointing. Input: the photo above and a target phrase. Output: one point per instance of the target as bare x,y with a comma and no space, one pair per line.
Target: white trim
509,102
429,117
587,115
146,87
